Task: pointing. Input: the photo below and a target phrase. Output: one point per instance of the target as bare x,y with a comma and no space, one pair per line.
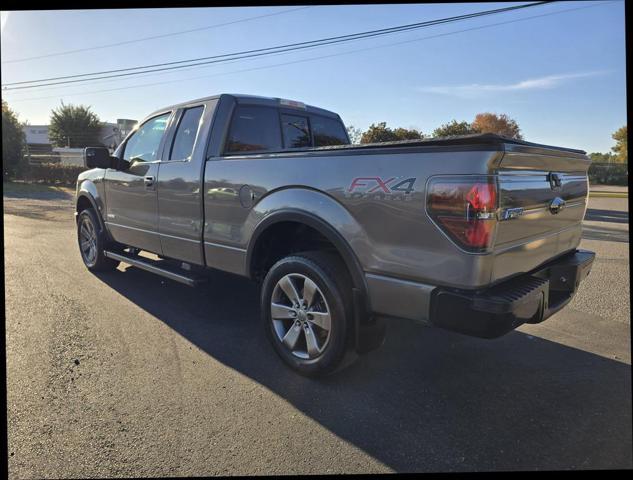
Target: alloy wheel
300,316
88,241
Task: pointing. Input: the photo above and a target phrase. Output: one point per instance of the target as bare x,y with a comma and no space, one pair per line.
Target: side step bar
156,267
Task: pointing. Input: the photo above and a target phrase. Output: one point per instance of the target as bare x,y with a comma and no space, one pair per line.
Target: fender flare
324,228
87,195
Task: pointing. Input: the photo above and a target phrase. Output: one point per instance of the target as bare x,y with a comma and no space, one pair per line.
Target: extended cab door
131,199
179,184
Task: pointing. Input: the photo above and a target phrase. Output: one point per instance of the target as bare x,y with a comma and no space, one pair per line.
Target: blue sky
561,76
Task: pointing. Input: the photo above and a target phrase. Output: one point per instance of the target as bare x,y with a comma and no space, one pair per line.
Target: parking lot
129,374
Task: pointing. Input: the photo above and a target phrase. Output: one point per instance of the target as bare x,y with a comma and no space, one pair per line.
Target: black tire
96,262
331,277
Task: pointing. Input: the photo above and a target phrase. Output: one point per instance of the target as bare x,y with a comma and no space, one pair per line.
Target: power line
153,37
140,76
349,52
319,41
263,51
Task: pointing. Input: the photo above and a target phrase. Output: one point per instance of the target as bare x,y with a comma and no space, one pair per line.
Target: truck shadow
428,400
613,216
600,232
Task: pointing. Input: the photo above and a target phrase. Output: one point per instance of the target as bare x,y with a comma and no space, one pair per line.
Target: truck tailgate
542,202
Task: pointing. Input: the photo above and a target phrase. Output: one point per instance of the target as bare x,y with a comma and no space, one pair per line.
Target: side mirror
99,157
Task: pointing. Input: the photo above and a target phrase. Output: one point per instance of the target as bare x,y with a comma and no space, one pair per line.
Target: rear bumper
529,298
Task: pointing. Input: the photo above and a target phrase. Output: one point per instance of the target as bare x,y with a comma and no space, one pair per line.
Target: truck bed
483,139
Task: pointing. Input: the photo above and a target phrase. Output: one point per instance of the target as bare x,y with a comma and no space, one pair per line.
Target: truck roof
252,100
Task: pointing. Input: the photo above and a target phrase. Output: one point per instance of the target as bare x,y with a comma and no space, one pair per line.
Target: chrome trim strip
131,228
179,238
545,208
219,245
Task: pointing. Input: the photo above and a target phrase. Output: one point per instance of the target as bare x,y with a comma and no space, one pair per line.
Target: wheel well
82,204
283,239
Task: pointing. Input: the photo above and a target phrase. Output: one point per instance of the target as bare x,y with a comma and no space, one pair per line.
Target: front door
179,192
131,199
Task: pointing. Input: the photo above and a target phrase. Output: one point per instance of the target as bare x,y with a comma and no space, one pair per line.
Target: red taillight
465,209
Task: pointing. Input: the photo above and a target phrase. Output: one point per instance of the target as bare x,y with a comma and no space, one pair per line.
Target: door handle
149,181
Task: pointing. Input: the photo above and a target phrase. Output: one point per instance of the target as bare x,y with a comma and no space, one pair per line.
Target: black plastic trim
311,220
528,298
94,207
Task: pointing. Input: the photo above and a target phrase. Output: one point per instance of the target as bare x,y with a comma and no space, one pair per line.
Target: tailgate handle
554,180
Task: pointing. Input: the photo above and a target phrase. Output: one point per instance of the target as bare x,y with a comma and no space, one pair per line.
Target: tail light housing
465,209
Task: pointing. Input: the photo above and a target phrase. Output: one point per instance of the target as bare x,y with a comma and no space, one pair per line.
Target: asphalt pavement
129,374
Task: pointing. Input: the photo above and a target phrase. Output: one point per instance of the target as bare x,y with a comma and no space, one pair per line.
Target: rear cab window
328,131
259,129
296,130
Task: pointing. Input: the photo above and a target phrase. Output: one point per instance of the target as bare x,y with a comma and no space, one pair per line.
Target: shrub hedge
51,174
609,173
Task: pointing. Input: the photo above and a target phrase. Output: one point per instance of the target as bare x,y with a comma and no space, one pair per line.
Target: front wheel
92,242
306,310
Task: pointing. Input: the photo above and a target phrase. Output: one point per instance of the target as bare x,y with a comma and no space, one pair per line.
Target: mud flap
370,331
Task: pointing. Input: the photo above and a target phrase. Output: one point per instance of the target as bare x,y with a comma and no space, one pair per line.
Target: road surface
129,374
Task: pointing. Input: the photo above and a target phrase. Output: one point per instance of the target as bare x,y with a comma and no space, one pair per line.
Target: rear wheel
306,309
92,241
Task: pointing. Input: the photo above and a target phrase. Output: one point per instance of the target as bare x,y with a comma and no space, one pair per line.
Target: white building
40,148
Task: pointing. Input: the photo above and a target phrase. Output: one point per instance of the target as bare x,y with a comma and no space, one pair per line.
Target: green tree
354,134
499,124
408,134
454,128
620,148
598,157
12,141
74,126
378,133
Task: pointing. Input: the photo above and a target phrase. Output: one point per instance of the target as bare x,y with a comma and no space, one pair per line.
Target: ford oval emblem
557,205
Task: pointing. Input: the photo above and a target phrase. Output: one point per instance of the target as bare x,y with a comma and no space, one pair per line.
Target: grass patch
609,194
26,189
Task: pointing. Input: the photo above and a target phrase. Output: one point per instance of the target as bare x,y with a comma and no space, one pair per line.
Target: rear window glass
253,129
296,131
327,131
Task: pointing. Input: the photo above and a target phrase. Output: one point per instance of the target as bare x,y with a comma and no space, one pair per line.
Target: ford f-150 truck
476,234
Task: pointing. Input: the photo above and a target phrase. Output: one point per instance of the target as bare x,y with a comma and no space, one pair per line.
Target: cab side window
143,145
186,134
253,129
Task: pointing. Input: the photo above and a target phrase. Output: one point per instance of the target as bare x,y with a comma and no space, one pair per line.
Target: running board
155,267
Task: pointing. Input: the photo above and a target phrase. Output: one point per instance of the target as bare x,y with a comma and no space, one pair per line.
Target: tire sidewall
89,215
336,346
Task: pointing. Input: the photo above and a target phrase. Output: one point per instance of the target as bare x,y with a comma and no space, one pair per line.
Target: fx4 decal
393,188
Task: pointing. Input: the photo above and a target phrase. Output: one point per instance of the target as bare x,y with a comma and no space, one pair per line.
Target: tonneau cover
472,139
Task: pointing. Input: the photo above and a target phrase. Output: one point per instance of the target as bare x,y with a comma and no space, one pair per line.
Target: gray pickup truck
476,234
